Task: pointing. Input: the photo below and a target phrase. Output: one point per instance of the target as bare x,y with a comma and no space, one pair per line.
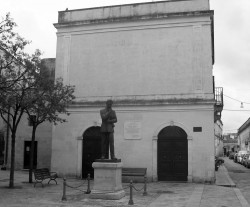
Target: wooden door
91,150
172,154
27,152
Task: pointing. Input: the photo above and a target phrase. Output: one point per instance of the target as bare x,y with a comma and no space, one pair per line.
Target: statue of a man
108,116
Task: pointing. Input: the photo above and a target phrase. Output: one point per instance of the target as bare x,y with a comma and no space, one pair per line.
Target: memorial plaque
132,130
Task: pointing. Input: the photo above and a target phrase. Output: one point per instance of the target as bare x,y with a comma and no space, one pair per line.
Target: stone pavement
167,194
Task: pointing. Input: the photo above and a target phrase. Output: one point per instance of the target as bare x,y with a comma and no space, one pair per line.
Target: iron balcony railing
218,96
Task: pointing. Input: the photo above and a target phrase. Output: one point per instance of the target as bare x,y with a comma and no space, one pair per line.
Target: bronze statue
108,116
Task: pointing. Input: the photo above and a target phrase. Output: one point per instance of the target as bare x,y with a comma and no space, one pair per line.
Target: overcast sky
232,43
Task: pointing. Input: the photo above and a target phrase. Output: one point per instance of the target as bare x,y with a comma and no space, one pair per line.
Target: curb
241,198
225,179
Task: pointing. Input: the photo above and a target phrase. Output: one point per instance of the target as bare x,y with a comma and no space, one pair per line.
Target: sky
35,21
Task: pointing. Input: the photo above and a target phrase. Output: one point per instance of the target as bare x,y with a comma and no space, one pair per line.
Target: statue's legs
111,144
105,145
108,143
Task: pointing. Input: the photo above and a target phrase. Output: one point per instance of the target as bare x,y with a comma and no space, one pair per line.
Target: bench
42,174
137,172
134,172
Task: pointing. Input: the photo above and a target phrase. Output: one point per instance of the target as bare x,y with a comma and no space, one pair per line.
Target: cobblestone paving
218,196
159,194
25,194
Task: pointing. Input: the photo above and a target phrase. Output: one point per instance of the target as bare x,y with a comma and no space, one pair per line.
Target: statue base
108,160
107,181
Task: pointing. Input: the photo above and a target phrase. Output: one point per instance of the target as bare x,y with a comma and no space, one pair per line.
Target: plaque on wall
132,130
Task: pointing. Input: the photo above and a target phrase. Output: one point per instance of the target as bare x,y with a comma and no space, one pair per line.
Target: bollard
88,190
64,190
131,202
145,186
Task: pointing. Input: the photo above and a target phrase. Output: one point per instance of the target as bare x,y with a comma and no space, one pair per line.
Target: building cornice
155,16
142,102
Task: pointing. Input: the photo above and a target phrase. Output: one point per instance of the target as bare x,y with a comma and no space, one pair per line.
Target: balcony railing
218,96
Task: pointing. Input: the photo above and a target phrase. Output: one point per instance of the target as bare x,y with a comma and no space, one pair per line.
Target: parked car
247,162
244,158
235,157
231,155
240,155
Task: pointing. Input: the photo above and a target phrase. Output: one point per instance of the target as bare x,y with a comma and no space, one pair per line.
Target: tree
15,81
12,53
13,103
25,88
48,99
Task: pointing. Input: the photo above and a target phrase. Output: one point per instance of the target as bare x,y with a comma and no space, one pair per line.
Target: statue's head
109,103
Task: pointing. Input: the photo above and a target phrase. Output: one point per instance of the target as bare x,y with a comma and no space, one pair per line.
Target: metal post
131,202
88,190
64,190
145,186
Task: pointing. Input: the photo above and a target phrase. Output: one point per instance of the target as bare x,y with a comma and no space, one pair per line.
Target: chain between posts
131,186
64,198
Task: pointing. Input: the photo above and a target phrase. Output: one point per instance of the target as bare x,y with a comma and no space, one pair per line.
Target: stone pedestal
107,181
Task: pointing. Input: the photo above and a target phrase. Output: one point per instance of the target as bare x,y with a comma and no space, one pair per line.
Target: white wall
218,128
43,138
244,136
67,141
163,57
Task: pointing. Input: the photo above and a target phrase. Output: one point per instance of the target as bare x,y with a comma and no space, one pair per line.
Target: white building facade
244,136
155,61
218,138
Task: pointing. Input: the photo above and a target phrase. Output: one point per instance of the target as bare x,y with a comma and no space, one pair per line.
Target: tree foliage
12,53
47,99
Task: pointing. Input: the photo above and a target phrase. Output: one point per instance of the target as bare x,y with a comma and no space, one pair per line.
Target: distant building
230,143
155,61
48,66
244,136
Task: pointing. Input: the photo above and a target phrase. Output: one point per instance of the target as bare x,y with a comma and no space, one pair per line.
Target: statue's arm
114,118
104,115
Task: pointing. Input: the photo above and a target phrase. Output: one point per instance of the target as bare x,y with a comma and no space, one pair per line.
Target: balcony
218,106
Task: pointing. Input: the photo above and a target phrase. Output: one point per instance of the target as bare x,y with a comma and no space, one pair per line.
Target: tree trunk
7,140
12,163
32,153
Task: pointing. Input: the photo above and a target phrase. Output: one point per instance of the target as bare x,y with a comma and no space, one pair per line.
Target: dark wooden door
27,152
91,150
172,154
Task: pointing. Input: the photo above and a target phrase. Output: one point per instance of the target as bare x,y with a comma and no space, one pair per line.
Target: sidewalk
159,194
223,179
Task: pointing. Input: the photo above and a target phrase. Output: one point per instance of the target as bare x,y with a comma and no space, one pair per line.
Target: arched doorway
91,150
172,156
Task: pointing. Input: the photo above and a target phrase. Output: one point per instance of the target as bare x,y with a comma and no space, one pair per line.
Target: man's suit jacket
108,120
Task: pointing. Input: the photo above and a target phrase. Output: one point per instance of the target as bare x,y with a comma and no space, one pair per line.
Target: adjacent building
218,138
155,61
244,136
